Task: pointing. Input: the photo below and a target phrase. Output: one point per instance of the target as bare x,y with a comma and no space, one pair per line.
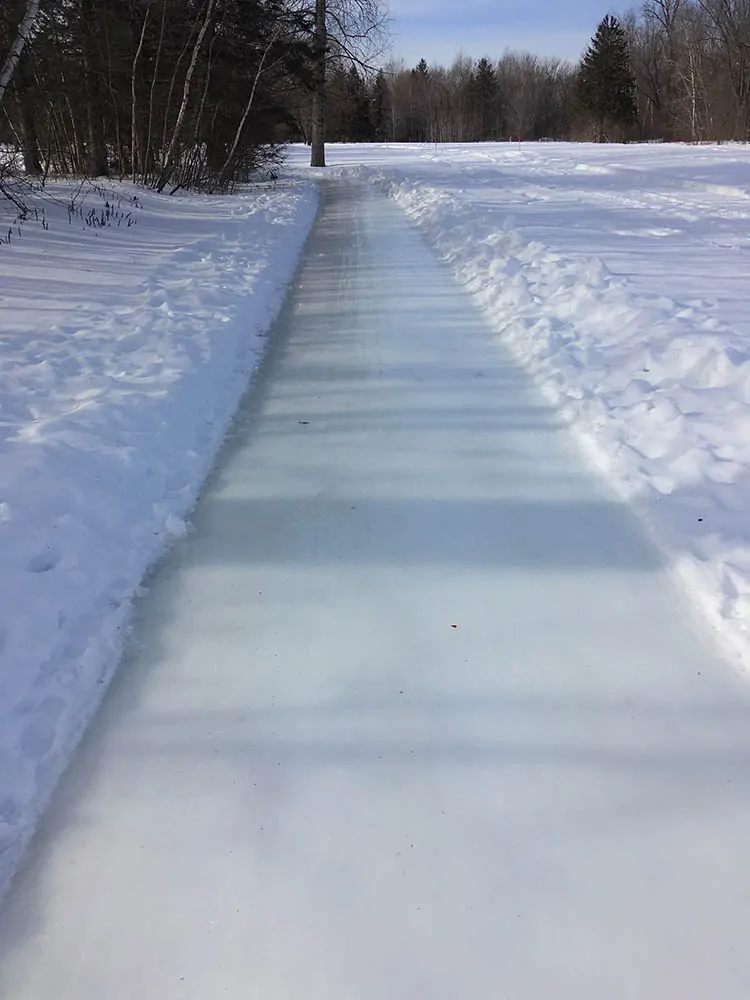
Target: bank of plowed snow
124,351
618,275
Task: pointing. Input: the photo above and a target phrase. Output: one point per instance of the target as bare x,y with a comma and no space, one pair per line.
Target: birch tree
13,55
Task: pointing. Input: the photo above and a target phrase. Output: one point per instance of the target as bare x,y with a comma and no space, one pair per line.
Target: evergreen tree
422,69
484,94
420,113
357,125
378,108
606,84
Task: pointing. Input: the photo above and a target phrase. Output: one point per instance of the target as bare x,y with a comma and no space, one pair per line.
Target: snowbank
657,388
124,351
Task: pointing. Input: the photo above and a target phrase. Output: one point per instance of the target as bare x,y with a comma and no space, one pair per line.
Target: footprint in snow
43,562
39,735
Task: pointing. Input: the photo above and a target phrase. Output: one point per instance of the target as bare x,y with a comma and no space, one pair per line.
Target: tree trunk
14,53
169,160
96,149
149,156
135,138
224,173
318,125
32,162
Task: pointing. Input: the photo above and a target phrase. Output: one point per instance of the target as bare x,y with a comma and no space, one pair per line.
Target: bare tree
227,165
352,30
521,77
661,21
731,21
695,103
169,159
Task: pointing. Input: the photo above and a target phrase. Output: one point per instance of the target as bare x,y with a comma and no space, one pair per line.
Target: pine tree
378,106
606,84
484,97
357,125
420,112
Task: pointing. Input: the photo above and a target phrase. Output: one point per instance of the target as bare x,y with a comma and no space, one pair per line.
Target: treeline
171,92
691,61
200,93
520,95
174,93
687,63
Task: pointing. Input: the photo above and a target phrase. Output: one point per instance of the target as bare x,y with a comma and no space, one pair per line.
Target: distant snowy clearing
619,276
124,351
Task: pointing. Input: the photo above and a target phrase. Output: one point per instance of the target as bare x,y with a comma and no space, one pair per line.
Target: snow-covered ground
413,714
124,350
619,276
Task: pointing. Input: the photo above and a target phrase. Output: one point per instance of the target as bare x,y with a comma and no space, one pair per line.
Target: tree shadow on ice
497,533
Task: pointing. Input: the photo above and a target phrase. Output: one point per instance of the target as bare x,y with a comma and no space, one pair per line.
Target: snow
298,710
305,782
618,276
124,353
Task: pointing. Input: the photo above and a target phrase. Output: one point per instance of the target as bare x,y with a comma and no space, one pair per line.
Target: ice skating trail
413,713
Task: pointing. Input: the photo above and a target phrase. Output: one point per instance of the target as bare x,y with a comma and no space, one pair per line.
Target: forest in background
688,63
201,93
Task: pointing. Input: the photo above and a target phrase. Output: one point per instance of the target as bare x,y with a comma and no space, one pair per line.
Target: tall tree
13,55
96,149
319,57
359,128
348,30
423,101
379,107
484,99
606,84
27,133
731,22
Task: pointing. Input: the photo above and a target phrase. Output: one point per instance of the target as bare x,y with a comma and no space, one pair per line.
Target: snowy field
619,276
124,350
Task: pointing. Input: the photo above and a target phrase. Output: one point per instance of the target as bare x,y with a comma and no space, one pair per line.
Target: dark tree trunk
96,148
32,162
13,56
318,125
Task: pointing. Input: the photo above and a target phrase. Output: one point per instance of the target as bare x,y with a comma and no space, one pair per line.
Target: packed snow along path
413,713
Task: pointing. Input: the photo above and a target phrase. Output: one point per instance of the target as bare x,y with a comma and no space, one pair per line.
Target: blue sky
439,29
